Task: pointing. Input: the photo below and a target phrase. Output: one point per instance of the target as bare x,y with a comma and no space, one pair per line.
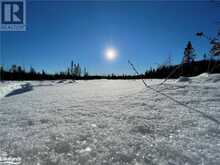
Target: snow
7,88
112,122
183,79
202,78
207,78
